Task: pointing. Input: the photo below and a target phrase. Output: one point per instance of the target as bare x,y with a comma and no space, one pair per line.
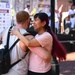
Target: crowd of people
59,17
48,12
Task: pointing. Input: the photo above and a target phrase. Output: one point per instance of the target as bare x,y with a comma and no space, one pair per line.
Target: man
71,16
19,49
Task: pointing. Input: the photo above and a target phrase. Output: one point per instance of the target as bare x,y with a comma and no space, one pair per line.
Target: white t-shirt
26,9
70,12
36,63
16,53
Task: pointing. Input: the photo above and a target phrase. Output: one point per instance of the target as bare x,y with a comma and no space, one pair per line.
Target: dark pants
34,73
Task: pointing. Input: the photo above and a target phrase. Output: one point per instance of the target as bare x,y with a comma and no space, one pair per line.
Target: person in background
48,12
27,9
71,16
46,39
33,12
57,20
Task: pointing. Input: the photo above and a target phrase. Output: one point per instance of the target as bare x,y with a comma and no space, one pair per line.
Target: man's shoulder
22,31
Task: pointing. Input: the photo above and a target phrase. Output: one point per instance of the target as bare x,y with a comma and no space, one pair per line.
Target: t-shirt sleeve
44,39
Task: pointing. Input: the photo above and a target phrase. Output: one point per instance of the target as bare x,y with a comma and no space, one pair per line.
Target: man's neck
20,26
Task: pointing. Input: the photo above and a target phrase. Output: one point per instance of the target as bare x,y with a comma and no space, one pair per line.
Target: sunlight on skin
70,56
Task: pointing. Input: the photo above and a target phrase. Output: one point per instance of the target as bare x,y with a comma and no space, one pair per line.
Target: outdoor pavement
68,67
